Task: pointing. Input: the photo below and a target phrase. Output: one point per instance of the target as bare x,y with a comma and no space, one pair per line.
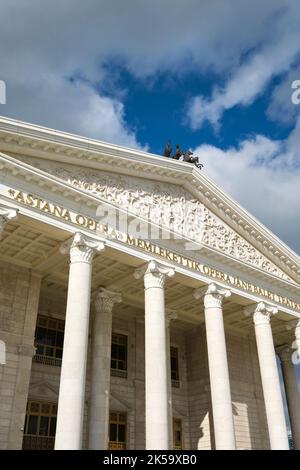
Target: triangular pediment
116,402
43,390
163,204
169,193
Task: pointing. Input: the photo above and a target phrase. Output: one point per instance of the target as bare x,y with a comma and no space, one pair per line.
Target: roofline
71,148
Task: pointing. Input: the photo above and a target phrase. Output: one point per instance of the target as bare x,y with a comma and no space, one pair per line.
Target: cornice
25,176
27,139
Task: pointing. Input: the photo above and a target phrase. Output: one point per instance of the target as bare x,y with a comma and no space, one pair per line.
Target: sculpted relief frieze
165,204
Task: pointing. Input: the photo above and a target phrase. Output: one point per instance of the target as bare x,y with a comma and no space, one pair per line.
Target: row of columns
157,374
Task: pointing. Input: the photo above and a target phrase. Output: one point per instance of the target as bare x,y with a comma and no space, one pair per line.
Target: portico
222,390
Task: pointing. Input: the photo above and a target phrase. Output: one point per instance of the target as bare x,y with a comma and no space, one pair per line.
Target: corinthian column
73,370
291,390
171,316
218,366
101,355
6,215
297,335
156,368
269,376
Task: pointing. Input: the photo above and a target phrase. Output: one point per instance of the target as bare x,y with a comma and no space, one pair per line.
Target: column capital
262,312
7,214
81,248
171,315
154,274
213,295
285,353
105,299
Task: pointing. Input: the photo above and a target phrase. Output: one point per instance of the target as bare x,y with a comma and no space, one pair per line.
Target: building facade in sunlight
141,307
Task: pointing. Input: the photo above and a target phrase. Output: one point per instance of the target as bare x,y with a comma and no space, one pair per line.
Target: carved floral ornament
167,205
154,274
262,312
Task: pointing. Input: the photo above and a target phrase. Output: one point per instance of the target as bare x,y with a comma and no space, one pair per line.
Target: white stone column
218,366
291,390
270,377
7,214
171,315
73,370
100,379
297,340
156,369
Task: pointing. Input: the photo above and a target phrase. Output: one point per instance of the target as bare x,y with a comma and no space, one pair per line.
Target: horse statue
187,157
168,150
178,153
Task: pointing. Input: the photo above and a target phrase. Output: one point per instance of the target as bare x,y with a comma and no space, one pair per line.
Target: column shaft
218,369
73,371
156,369
270,377
157,436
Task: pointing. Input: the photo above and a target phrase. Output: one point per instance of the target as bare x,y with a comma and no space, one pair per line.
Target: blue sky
158,111
211,75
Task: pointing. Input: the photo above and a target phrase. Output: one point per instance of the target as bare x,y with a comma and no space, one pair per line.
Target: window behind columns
117,430
177,434
119,355
49,338
174,367
40,425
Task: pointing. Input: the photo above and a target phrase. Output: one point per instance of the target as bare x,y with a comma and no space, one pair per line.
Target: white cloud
44,43
263,175
249,81
74,107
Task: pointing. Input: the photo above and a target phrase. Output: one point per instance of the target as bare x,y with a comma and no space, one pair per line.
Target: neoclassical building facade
140,306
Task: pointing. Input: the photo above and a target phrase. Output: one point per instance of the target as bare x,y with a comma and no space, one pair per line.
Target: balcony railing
118,373
116,446
176,383
38,443
50,361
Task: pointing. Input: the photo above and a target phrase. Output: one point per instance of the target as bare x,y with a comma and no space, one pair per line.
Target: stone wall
19,294
247,396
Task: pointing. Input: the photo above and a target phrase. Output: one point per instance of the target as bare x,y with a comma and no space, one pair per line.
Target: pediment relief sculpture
167,205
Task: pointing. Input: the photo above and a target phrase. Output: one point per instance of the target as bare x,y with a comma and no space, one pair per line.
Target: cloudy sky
212,75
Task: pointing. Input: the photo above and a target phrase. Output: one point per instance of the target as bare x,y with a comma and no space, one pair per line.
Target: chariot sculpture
184,156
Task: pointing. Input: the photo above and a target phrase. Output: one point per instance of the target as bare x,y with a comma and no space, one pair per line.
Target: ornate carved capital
154,274
263,313
213,295
81,248
105,299
26,350
285,353
6,215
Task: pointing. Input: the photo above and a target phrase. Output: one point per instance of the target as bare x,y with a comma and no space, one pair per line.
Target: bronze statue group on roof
184,156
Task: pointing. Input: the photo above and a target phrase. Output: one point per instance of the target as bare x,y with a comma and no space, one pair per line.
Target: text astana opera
92,224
